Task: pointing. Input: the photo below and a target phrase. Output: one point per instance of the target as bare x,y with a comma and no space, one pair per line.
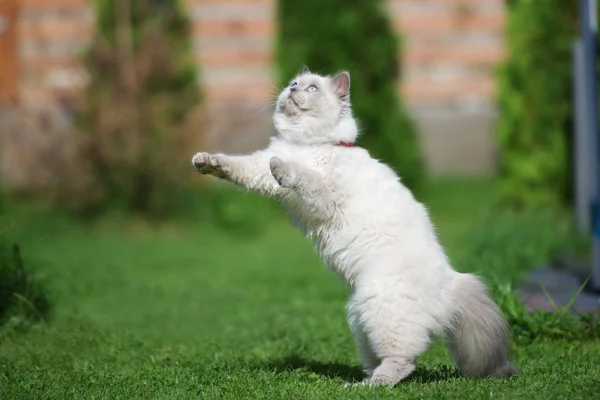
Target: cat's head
315,109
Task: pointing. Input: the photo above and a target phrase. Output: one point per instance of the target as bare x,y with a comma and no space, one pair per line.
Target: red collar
346,144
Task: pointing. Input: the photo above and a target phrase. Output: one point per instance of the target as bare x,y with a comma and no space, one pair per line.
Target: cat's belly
341,251
330,242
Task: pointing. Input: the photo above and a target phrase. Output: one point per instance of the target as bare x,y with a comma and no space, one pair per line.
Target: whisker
274,92
264,108
271,94
270,100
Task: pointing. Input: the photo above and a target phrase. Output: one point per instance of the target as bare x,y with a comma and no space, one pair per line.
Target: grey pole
582,149
588,23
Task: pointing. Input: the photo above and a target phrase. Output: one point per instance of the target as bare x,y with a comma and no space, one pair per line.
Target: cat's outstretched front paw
282,172
210,164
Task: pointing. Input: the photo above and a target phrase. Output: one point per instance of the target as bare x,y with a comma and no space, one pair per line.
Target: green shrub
138,118
356,36
504,247
21,295
535,103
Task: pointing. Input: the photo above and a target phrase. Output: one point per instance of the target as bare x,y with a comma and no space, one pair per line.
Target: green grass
186,309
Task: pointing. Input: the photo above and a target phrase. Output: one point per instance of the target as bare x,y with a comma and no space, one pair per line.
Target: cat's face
312,104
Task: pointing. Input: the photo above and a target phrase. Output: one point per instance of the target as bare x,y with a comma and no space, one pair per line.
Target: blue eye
312,88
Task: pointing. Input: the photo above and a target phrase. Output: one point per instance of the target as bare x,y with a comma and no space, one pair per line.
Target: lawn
193,309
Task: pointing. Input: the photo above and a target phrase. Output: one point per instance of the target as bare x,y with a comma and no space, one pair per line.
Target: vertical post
588,22
582,150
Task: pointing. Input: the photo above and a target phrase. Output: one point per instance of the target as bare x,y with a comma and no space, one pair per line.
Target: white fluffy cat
369,229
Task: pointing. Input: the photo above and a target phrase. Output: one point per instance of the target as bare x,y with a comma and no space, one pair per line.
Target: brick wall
234,40
451,51
451,48
52,34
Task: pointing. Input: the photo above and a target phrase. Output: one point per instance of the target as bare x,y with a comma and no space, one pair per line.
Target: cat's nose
293,89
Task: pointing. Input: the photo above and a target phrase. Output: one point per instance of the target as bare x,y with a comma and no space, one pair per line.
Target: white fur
370,230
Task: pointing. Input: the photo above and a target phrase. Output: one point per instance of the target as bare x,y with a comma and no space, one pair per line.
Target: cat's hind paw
282,172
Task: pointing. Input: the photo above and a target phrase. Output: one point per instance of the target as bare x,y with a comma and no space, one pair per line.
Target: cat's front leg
316,194
248,171
284,173
212,164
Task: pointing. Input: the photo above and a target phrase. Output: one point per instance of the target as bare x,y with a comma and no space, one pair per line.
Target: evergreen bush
355,35
142,95
535,103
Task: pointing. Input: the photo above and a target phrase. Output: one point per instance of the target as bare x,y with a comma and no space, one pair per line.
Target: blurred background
449,54
482,106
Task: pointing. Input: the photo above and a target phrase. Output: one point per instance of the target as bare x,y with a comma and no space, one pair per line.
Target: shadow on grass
331,370
350,373
433,374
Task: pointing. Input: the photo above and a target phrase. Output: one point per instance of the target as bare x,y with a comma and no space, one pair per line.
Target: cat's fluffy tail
478,333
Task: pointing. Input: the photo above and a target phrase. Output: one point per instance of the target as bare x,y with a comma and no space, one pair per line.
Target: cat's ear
304,70
341,84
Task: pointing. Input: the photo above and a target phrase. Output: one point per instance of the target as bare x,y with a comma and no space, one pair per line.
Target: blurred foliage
505,245
140,107
356,36
239,212
535,103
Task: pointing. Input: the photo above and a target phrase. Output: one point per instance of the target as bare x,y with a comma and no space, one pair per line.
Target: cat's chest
315,160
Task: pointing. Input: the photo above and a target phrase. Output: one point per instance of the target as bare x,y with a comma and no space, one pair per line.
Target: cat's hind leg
367,356
397,338
392,370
